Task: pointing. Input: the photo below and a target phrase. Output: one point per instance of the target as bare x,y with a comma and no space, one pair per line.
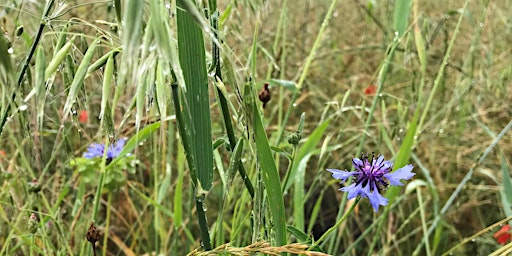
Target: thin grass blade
270,178
298,173
107,84
140,136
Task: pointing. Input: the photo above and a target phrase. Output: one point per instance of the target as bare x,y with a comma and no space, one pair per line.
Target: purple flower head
97,150
371,177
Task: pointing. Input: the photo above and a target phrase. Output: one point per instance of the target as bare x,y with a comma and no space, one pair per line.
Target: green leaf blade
78,80
270,178
196,104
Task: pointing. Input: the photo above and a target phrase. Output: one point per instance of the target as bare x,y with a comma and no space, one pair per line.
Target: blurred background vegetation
462,92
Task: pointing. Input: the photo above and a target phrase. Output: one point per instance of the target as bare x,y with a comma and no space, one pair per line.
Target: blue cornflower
371,177
97,149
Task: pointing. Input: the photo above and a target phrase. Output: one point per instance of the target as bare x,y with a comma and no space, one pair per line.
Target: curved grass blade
78,80
58,58
270,178
298,173
107,83
130,145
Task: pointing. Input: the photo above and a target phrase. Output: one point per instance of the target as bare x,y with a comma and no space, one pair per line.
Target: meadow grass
215,122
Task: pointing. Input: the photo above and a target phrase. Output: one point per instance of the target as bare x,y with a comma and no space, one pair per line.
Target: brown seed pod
264,95
93,235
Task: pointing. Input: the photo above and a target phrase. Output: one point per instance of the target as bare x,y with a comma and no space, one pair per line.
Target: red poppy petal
371,90
503,230
503,235
504,238
83,116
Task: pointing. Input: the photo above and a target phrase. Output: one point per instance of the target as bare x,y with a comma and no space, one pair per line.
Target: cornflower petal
353,190
357,162
376,199
374,174
403,173
115,150
341,175
94,150
97,150
387,165
378,161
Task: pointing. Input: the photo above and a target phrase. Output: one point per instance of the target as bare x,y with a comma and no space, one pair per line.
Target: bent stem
214,15
330,230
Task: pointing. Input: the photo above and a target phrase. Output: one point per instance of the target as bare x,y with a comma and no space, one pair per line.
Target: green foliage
270,178
421,83
115,177
6,70
196,105
401,16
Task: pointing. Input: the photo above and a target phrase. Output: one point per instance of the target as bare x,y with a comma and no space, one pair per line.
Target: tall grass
208,168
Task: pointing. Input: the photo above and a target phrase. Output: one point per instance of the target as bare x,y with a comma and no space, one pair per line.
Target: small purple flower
97,149
371,177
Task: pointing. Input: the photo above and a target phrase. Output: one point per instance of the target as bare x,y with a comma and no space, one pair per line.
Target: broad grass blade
401,16
196,104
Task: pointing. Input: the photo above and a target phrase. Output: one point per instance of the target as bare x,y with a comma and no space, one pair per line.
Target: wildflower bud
264,95
32,223
93,235
294,138
34,186
371,90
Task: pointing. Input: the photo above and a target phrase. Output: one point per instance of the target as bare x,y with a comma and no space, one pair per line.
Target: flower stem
330,230
107,224
33,243
97,196
101,182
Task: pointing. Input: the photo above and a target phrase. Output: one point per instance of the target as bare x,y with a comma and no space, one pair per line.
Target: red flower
503,236
370,90
83,116
2,154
